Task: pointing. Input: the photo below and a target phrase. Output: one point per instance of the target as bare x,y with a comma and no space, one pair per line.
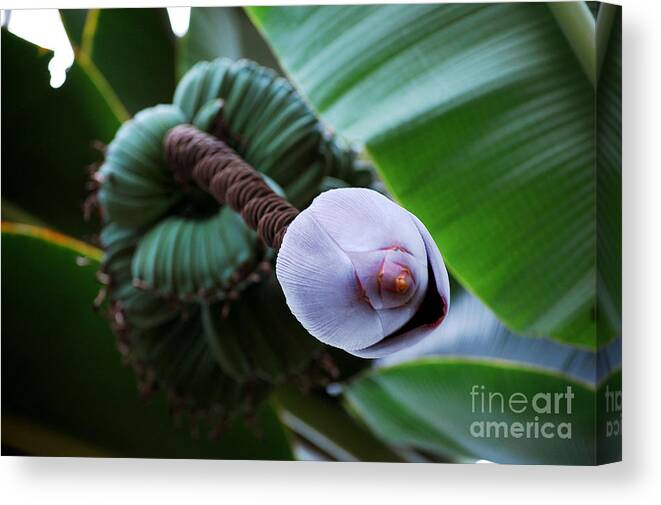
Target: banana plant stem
215,167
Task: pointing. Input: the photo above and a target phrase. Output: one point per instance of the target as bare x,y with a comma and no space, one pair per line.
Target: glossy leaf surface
481,122
428,405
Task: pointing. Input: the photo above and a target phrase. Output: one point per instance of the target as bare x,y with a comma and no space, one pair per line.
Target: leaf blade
63,375
137,66
49,136
481,122
428,404
221,31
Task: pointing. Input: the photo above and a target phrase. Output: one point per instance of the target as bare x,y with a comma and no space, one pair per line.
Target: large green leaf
48,135
609,171
472,334
64,391
131,49
427,404
221,31
481,122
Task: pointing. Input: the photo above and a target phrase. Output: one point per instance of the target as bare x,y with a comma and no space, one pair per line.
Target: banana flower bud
362,274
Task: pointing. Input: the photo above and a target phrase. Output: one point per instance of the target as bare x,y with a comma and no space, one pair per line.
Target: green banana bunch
191,294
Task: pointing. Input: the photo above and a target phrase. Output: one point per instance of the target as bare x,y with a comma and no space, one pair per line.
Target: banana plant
172,322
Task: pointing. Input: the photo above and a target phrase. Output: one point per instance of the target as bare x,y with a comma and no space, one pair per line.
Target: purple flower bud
363,274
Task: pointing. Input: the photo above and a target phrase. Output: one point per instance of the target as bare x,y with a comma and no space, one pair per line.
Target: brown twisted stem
196,156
